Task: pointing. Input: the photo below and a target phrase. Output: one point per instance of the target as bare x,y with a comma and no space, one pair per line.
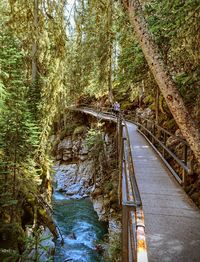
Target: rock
86,170
67,155
88,190
106,139
76,147
85,195
114,226
83,157
59,156
74,179
96,192
61,190
99,207
144,113
72,236
47,246
65,175
84,150
64,149
66,143
73,190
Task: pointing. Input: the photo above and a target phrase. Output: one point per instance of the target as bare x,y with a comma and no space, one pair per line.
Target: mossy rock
79,130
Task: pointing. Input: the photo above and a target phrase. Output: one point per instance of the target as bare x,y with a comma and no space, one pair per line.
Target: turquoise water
80,228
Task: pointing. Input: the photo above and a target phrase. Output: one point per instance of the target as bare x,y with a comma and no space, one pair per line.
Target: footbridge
159,221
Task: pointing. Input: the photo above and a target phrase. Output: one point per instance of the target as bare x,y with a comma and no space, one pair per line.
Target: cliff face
87,167
75,169
85,171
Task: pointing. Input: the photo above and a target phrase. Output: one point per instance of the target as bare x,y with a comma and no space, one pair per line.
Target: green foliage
91,49
174,25
108,187
114,251
68,130
94,138
101,53
80,130
19,133
27,107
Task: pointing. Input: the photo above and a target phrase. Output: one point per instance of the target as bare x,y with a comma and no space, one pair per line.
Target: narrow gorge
85,198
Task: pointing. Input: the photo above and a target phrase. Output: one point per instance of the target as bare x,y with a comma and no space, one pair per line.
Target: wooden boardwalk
172,221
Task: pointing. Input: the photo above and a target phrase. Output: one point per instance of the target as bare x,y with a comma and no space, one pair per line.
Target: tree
18,139
31,84
162,76
91,50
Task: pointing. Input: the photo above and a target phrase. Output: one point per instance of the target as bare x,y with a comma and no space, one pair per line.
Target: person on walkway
116,108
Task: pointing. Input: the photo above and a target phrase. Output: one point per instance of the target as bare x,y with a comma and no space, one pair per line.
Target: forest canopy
55,54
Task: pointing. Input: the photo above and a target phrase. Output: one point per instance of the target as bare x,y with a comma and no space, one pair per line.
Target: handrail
131,167
163,129
134,246
157,136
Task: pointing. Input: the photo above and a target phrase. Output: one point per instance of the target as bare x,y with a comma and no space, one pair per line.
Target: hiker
116,107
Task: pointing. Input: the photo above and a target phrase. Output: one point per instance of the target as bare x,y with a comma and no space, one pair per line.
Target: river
80,228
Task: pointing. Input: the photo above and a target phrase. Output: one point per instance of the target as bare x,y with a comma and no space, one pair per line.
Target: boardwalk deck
172,220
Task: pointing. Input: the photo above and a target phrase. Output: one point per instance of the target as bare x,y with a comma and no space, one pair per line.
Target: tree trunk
109,25
34,47
161,74
157,103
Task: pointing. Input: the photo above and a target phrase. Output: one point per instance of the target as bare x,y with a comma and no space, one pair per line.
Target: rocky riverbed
80,174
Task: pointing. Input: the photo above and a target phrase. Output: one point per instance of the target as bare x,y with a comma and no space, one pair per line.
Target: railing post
163,150
120,159
154,133
125,242
118,138
145,124
184,178
141,240
139,126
